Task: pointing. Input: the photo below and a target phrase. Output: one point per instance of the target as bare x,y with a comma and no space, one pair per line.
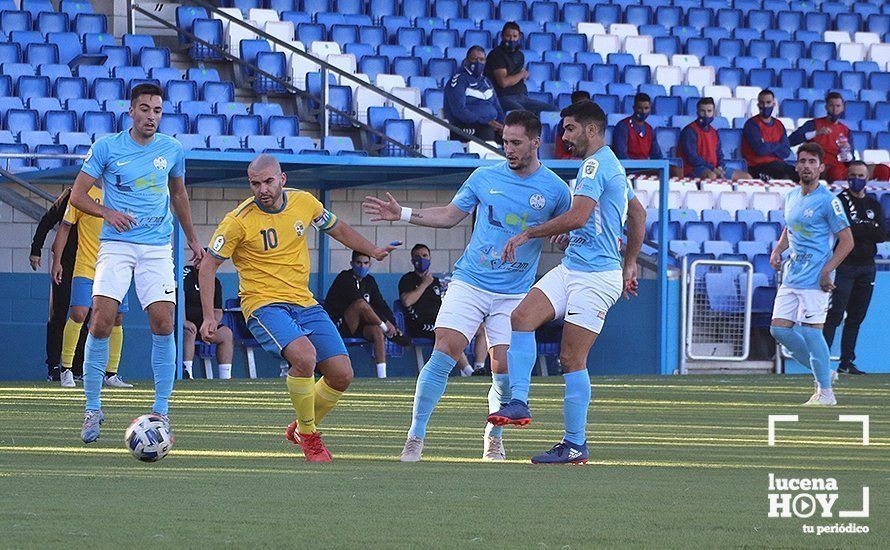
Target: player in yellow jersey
88,229
266,238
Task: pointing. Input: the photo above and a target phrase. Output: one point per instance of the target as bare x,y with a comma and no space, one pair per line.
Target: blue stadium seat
817,22
411,37
572,72
136,42
337,144
359,50
340,97
699,18
760,20
761,49
266,111
667,16
441,69
638,15
191,141
39,54
428,24
604,73
185,19
732,77
476,37
98,122
732,232
856,110
372,65
392,51
715,217
249,50
540,72
716,34
698,231
33,86
429,53
750,217
274,63
230,109
444,38
752,248
544,12
762,78
746,35
261,144
765,232
209,125
511,10
372,35
823,79
180,90
879,81
116,56
10,52
608,102
90,23
461,25
621,60
729,18
873,127
667,138
44,104
377,117
344,34
699,47
823,51
683,247
58,121
283,126
246,125
13,20
195,108
730,142
447,148
401,131
226,143
575,12
853,80
730,47
434,100
607,14
573,43
407,66
308,33
298,143
70,88
174,123
637,75
850,22
447,9
667,45
878,23
216,92
151,58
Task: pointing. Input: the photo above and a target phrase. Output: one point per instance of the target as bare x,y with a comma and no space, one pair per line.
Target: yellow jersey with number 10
88,230
269,249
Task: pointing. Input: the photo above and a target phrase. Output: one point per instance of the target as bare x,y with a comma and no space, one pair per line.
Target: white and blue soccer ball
149,438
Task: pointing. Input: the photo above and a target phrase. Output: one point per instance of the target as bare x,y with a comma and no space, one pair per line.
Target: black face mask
511,45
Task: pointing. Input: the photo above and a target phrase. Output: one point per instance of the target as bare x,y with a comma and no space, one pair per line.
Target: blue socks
577,400
163,364
820,356
499,393
95,359
520,361
807,350
430,388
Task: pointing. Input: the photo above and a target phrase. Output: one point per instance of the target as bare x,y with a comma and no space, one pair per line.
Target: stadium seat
98,122
58,121
245,125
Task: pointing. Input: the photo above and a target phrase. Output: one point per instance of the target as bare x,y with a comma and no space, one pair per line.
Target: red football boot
291,433
313,447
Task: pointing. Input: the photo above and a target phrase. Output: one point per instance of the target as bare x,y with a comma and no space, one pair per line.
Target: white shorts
151,266
581,298
804,305
465,307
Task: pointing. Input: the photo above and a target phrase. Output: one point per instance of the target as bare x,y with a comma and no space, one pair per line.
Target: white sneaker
494,449
67,379
115,382
834,377
824,397
413,450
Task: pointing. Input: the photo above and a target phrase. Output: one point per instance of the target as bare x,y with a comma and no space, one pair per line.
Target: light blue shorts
277,325
82,294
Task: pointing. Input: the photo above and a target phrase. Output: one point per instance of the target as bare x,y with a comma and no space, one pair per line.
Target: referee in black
855,278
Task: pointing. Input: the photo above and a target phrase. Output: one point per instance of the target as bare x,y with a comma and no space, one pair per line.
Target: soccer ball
149,438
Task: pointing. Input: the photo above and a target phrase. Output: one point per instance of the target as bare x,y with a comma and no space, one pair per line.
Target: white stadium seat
407,94
638,46
390,81
262,16
789,123
730,107
747,92
668,76
323,49
684,61
590,30
237,33
876,156
428,132
851,52
867,38
282,30
343,61
473,147
604,44
880,54
355,85
838,37
364,98
717,92
699,200
766,201
732,201
653,60
234,12
623,30
700,77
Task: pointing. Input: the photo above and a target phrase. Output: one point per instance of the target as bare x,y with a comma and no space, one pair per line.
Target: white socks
225,371
187,367
466,371
381,370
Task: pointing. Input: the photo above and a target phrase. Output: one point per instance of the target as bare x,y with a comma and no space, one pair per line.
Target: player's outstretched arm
391,211
351,239
179,202
207,285
80,199
575,218
636,232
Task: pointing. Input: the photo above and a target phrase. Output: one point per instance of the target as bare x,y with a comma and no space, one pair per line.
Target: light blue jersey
507,205
596,246
134,178
812,221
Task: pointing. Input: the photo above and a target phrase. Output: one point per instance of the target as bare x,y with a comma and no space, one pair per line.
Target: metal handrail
336,70
277,80
25,184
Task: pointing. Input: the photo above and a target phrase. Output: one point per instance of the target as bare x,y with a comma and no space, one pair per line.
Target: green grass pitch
676,462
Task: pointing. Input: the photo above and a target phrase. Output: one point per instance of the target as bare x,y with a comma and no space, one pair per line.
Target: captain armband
326,221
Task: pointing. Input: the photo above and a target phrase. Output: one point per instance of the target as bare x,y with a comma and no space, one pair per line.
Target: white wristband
383,326
405,216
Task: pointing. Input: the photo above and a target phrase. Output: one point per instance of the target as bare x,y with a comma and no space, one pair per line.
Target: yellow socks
69,342
115,344
326,398
302,395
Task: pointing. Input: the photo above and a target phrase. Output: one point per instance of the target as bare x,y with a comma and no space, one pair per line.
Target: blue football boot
91,422
514,413
564,452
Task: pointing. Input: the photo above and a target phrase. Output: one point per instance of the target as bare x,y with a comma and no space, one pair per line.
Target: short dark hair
527,119
146,88
580,95
857,162
511,25
766,91
641,97
587,112
474,48
418,246
356,254
813,149
833,95
705,101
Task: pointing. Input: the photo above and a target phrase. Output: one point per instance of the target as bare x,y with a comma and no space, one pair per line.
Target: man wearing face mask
358,309
505,67
633,137
470,101
855,278
765,143
699,147
832,135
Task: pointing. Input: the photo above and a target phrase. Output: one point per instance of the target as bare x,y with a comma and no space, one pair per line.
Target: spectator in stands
560,150
700,147
470,101
59,294
505,67
194,318
765,143
421,294
633,137
358,309
854,279
832,135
